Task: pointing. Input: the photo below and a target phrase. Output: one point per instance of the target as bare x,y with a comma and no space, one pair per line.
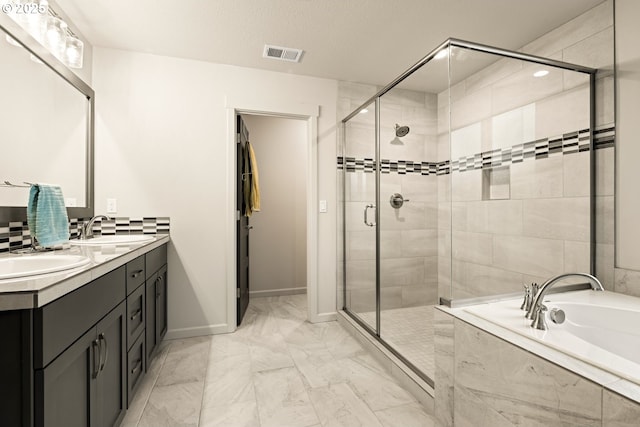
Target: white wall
627,16
161,135
277,241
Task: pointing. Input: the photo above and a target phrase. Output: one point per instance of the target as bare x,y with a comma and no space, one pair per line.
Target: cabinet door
161,304
112,380
66,392
150,326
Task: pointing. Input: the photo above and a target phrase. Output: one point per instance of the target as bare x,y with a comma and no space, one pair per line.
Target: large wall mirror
46,126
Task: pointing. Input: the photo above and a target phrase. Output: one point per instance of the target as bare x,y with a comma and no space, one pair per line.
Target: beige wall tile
472,247
417,243
475,280
473,108
466,141
495,216
605,257
618,411
564,112
401,271
576,174
605,101
522,88
535,179
529,255
466,186
579,28
514,127
627,281
543,394
559,218
577,257
605,219
417,188
605,171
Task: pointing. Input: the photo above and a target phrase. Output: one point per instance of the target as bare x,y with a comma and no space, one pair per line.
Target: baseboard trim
278,292
198,331
324,317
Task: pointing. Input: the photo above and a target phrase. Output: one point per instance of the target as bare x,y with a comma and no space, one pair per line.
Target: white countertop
36,291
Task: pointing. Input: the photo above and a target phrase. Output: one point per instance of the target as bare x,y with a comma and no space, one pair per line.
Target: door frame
309,113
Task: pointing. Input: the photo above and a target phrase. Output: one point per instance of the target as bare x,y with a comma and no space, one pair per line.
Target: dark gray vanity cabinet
82,381
156,299
77,361
85,385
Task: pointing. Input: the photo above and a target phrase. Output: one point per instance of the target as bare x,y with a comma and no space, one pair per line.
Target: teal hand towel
47,215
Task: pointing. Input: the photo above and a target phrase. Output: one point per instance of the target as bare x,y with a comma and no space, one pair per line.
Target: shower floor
410,332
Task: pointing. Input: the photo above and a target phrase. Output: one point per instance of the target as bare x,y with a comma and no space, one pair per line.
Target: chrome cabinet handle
137,366
136,273
95,347
137,313
102,338
366,211
249,227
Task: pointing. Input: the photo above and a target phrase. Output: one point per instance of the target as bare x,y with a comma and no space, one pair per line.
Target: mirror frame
19,213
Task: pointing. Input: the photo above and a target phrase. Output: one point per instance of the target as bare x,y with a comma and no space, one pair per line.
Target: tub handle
557,316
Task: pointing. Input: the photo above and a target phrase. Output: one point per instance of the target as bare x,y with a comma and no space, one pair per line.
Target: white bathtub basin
117,239
601,328
31,265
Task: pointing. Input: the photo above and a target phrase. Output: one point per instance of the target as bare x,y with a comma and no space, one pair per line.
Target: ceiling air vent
282,53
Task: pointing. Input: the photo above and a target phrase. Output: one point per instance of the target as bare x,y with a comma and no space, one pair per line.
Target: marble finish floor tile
277,369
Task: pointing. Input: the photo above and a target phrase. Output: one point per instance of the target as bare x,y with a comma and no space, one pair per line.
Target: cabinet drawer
135,367
156,259
135,274
58,324
135,315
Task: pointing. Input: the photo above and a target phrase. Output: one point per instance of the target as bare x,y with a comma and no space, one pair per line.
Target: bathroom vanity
76,344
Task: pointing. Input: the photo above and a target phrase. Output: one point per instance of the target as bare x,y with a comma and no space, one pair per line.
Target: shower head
401,130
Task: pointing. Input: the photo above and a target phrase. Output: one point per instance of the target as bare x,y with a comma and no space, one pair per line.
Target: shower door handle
366,221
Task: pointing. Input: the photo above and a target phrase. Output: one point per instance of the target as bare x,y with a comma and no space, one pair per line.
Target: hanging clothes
250,181
255,182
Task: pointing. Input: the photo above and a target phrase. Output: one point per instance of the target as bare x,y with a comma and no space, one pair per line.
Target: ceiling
367,41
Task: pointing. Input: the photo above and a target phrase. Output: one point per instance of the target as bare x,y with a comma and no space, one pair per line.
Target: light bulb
74,52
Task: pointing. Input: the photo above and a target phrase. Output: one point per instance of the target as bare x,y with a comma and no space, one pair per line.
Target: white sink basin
31,265
117,239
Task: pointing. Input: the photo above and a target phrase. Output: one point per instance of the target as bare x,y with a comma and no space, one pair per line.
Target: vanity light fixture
48,28
540,73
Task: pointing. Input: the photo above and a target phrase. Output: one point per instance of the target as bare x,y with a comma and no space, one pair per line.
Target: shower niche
492,153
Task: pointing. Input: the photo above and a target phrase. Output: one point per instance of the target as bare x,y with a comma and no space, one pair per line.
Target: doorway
272,239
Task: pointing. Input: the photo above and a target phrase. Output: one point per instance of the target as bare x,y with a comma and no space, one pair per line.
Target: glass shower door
360,297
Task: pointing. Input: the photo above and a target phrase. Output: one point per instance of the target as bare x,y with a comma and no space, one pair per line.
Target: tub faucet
87,229
536,313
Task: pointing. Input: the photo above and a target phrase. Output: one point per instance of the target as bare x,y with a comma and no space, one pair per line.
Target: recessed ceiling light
364,111
540,73
442,54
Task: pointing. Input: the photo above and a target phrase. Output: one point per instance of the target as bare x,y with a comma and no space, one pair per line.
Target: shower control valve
396,200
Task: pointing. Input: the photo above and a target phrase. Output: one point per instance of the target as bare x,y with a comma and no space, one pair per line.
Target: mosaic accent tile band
16,235
569,143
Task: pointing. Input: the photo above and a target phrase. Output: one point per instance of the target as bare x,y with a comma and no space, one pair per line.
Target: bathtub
601,328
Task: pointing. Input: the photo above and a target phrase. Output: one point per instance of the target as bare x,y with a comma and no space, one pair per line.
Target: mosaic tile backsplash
15,235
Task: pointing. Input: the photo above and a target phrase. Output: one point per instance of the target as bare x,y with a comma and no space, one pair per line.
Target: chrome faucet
536,312
87,229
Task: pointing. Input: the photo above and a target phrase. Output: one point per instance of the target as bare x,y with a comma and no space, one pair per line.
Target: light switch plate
323,206
112,206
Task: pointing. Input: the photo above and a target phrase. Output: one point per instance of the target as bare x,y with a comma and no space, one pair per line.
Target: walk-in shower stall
466,177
